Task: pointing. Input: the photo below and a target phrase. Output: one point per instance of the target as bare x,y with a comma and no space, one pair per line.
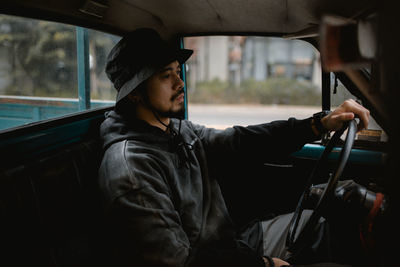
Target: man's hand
277,262
347,111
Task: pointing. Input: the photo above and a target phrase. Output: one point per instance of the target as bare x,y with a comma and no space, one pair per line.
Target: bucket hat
137,56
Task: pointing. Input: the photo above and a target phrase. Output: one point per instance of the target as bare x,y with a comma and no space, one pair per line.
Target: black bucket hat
137,56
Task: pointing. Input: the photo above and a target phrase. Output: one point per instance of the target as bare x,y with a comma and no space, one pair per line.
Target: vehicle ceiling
184,17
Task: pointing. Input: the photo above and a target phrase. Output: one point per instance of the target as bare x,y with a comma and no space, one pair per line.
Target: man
163,204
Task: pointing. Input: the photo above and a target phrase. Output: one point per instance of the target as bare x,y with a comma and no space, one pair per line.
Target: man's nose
179,82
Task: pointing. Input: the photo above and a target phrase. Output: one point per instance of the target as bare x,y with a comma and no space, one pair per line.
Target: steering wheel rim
304,236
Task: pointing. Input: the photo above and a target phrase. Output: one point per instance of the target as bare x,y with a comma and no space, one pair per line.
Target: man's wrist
316,122
313,128
269,262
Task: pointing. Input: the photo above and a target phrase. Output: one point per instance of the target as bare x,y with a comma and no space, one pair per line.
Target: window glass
240,80
100,44
38,70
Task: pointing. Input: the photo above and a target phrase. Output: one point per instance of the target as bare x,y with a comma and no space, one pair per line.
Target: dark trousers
268,237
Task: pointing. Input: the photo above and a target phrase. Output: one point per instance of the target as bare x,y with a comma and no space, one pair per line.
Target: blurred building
238,58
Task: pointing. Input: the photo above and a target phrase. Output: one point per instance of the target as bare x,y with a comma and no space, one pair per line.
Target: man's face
165,91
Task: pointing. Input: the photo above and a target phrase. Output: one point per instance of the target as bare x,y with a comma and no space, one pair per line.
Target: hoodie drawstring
178,144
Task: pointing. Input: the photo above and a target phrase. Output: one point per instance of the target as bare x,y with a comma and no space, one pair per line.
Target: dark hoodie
163,206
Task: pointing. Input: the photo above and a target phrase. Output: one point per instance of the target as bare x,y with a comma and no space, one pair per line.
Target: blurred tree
15,34
100,45
42,55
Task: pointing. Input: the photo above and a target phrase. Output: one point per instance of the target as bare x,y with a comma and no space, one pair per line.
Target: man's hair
126,107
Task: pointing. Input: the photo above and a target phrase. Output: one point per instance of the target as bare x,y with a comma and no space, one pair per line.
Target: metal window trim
183,76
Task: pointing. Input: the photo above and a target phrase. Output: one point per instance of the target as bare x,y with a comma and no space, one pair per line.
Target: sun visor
347,44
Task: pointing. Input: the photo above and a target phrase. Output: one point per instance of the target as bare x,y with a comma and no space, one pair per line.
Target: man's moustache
177,94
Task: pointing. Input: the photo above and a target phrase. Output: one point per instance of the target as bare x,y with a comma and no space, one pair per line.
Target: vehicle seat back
49,207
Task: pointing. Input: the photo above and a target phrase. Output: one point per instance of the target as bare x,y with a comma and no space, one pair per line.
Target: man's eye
166,76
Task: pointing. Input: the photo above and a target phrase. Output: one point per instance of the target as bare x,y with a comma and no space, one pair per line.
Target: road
222,116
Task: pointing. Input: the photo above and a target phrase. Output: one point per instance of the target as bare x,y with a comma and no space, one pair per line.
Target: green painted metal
314,151
82,43
27,142
17,111
183,71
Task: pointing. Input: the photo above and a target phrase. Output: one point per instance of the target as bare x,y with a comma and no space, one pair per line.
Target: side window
247,80
39,70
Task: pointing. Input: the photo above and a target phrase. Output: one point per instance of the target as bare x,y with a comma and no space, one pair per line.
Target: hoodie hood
116,128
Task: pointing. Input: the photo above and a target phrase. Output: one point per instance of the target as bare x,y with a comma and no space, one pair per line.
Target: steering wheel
305,234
